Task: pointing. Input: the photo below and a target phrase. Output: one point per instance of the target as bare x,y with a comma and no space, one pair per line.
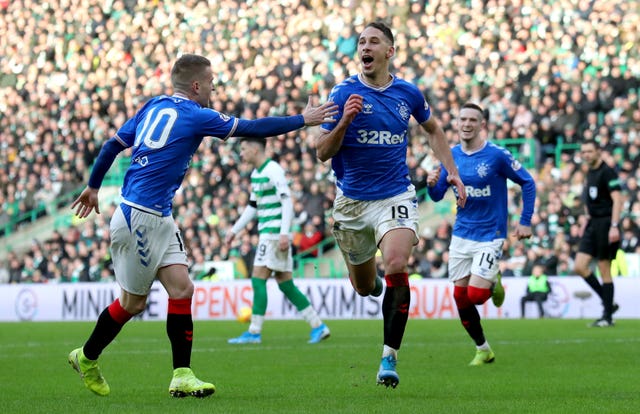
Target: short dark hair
255,140
386,31
187,69
472,105
593,142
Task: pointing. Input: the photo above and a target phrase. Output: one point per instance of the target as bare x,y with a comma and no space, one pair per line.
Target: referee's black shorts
595,240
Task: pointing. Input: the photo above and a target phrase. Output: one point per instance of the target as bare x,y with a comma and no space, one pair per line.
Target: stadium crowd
71,71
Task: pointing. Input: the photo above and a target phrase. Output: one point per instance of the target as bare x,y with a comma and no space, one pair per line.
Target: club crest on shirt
403,110
593,192
482,170
515,165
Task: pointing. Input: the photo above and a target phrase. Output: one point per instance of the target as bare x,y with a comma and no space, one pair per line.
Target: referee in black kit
600,235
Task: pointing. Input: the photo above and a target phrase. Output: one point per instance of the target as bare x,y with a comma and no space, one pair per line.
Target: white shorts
468,257
142,245
270,256
360,225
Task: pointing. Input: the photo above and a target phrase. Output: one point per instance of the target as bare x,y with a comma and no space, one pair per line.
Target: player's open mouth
367,60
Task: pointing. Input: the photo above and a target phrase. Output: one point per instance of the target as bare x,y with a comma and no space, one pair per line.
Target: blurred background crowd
548,73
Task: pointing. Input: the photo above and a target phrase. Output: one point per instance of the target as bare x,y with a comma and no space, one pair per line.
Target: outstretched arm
277,125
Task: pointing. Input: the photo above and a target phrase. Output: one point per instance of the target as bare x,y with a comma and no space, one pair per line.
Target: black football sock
607,299
593,281
180,331
470,319
108,325
395,308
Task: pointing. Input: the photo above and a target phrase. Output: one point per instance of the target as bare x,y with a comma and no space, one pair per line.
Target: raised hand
352,107
316,115
433,176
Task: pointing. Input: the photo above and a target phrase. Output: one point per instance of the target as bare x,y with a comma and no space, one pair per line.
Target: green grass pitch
542,366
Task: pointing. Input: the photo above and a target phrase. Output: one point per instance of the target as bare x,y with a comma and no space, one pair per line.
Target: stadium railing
113,178
522,149
321,265
42,210
562,147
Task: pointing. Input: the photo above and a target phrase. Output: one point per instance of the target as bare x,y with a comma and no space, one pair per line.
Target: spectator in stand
311,236
313,200
538,289
630,236
15,266
517,262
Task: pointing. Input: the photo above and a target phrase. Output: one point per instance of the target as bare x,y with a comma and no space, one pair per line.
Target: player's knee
395,264
184,291
135,307
286,286
582,267
133,304
478,296
363,287
581,270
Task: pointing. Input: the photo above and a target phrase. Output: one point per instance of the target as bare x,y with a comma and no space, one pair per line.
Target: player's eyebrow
372,37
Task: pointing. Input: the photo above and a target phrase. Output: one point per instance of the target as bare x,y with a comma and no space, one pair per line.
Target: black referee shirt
597,193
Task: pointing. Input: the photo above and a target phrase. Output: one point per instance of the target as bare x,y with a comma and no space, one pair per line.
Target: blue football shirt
164,134
371,164
484,174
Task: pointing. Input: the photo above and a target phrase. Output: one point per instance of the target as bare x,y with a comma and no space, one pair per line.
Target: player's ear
390,52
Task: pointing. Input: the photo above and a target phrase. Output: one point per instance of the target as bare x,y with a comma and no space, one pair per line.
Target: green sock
292,293
259,296
379,286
